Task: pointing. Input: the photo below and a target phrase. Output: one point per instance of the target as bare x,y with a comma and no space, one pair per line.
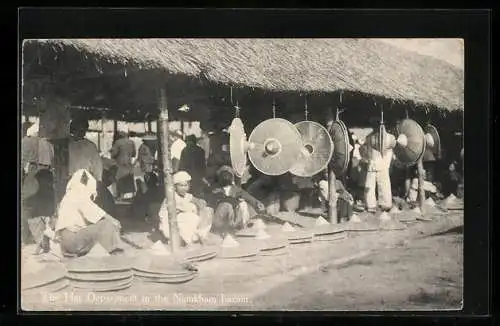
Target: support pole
167,172
421,191
332,197
115,129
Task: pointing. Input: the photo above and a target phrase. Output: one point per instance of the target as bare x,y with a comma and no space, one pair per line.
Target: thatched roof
305,65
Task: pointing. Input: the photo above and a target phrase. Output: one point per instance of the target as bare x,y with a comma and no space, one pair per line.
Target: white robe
377,176
191,226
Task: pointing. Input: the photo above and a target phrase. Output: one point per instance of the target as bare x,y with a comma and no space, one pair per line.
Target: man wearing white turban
81,223
194,218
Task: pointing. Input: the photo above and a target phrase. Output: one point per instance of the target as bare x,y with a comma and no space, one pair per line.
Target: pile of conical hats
358,223
198,255
453,203
99,272
287,227
387,223
299,237
231,250
273,247
430,207
52,278
163,269
411,215
324,231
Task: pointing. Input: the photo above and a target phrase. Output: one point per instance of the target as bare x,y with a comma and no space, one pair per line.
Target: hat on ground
181,177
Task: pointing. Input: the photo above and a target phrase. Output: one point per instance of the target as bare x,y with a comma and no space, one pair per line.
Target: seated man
194,218
81,223
345,200
232,204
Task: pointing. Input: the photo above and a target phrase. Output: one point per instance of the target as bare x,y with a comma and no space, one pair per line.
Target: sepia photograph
241,174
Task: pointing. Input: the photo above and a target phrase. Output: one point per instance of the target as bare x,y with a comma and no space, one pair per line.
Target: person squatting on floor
194,217
233,206
81,223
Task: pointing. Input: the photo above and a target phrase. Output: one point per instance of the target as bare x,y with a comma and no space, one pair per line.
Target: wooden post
332,191
332,197
421,191
115,130
167,172
150,127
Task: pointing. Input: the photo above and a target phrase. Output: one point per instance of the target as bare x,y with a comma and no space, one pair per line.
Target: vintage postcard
242,174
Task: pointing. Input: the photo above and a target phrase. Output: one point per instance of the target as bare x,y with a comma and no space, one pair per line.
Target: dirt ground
425,275
420,268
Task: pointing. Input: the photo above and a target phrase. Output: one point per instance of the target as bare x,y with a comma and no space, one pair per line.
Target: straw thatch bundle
306,65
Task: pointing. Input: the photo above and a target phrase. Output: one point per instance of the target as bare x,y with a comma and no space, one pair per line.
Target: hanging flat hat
181,177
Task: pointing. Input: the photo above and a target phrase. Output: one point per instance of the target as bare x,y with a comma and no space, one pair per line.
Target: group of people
206,202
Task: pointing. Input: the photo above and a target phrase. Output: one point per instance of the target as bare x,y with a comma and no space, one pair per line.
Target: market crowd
209,198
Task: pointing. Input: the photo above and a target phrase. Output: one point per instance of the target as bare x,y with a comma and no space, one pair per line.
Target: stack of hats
165,270
453,203
50,279
389,224
273,247
411,215
198,255
231,249
321,221
100,274
430,207
159,249
299,237
329,232
287,227
362,223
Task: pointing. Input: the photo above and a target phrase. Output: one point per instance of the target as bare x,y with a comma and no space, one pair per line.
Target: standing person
176,148
37,157
429,160
83,154
377,173
122,152
146,153
36,152
193,162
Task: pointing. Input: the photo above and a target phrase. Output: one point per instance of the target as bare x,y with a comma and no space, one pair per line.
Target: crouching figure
81,223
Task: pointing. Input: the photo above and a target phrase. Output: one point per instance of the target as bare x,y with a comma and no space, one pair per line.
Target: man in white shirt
194,218
377,174
176,149
81,223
